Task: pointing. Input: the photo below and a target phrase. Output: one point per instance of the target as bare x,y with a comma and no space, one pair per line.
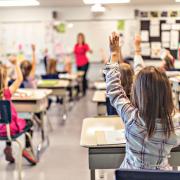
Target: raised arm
16,84
115,91
32,73
138,60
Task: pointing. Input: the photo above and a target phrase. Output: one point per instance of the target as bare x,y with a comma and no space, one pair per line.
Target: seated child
17,125
52,72
28,70
152,128
168,61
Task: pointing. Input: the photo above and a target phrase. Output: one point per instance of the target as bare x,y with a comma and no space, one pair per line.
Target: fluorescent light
105,1
9,3
177,1
98,8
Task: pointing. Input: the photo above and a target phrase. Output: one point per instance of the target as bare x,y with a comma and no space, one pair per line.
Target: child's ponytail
3,76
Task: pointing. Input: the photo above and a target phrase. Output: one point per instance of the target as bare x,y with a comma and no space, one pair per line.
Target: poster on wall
165,36
154,28
174,40
166,27
145,36
166,45
146,50
121,25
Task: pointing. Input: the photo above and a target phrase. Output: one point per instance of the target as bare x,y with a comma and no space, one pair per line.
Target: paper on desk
22,93
110,137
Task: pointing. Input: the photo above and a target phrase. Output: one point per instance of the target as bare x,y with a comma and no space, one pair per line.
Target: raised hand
114,43
137,40
13,60
33,47
114,48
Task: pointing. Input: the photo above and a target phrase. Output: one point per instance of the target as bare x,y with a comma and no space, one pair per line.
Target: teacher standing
82,62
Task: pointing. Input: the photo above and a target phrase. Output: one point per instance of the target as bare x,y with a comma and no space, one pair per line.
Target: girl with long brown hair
151,125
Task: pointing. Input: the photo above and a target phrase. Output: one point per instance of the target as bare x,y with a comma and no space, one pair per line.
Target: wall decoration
173,14
121,25
60,28
144,14
154,14
164,14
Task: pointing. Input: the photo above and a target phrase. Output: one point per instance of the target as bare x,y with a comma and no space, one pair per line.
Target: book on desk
110,137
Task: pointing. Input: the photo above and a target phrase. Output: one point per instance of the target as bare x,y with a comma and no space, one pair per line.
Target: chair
5,118
125,174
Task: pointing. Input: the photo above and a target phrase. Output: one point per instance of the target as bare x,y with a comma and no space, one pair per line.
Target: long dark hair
152,95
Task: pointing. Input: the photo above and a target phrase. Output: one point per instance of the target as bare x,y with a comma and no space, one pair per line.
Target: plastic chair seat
5,138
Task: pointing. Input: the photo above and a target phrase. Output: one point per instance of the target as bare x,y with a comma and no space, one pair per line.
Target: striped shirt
141,152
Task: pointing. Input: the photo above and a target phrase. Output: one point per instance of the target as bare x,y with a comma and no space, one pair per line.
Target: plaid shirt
141,152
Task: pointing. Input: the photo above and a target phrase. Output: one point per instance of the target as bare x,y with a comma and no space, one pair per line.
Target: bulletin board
18,36
157,34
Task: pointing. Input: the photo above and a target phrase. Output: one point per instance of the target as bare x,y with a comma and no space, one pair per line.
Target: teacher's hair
82,36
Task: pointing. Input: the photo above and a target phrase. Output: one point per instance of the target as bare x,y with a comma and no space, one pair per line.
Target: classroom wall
29,23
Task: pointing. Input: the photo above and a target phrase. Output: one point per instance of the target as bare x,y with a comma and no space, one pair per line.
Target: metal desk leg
93,174
41,147
64,118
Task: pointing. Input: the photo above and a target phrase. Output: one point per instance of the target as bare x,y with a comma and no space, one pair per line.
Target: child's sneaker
28,155
8,154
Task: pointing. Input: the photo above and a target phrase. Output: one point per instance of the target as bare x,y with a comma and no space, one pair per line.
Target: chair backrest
5,112
50,76
124,174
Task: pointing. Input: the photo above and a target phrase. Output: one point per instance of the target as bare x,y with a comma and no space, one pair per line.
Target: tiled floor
64,159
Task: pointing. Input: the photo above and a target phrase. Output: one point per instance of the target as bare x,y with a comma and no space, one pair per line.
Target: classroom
89,89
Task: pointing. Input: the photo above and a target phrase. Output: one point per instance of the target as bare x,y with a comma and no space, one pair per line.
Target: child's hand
114,43
137,40
33,47
13,60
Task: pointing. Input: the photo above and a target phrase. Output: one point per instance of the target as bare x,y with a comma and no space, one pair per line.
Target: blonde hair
3,76
51,69
26,68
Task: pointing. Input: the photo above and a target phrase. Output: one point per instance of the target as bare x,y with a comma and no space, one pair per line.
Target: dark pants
29,125
85,82
110,109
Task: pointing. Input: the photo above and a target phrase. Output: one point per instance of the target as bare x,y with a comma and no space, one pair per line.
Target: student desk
74,78
99,97
107,156
100,85
59,88
33,101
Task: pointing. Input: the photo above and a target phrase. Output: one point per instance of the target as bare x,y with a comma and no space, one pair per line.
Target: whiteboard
43,35
13,35
97,33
